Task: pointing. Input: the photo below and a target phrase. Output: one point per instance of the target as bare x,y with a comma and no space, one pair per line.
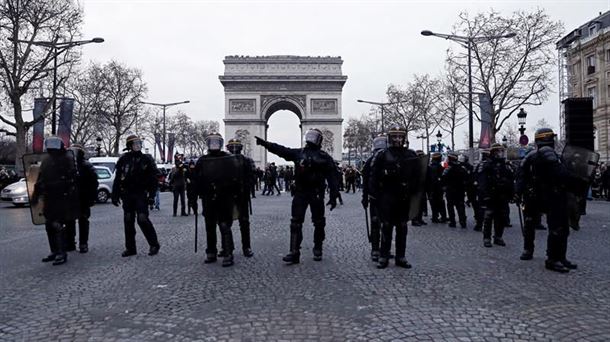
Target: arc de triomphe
257,87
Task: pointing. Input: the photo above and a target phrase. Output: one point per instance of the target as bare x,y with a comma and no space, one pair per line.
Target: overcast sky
180,45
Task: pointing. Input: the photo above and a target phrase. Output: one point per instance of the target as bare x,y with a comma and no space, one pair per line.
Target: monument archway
257,87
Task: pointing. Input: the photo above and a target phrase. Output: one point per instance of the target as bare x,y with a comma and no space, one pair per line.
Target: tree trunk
115,148
20,137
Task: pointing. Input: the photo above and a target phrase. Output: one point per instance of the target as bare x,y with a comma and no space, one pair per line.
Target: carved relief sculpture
245,106
324,106
328,141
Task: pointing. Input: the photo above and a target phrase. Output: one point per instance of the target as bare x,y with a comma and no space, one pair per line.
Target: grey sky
180,45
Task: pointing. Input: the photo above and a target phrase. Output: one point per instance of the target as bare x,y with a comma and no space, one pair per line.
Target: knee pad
321,222
296,227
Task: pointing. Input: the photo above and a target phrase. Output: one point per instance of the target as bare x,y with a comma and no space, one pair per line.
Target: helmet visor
313,137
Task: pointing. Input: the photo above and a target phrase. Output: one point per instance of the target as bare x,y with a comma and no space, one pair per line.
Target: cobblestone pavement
456,291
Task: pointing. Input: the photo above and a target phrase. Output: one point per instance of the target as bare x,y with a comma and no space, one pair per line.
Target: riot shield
57,193
223,175
418,185
580,162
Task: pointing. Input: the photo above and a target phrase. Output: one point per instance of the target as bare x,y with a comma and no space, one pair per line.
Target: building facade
584,71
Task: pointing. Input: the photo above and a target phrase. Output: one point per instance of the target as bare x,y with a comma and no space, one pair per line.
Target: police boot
383,263
415,223
487,243
317,253
499,241
452,224
49,258
375,256
296,236
556,266
402,262
248,252
568,264
60,259
128,253
478,227
153,250
527,255
227,260
210,258
83,248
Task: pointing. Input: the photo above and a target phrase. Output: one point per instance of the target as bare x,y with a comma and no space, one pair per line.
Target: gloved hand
116,201
365,202
332,202
260,141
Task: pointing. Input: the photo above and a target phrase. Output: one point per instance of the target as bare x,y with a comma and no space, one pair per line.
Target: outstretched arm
289,154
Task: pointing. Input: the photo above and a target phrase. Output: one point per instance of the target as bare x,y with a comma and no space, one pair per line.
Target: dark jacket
495,181
87,183
455,181
136,173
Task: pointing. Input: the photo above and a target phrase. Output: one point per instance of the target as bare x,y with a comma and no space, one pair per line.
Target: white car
105,179
17,193
109,162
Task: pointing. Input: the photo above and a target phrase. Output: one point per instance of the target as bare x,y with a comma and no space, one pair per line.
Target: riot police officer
479,212
313,168
455,180
177,181
392,179
369,199
57,187
135,184
87,190
435,189
243,197
542,185
218,181
495,188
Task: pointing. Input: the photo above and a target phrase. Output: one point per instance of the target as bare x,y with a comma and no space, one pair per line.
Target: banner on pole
66,109
158,144
486,121
171,139
38,128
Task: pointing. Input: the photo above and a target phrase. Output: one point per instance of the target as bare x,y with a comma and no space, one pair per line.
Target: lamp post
439,140
164,106
467,42
98,143
58,49
422,137
521,116
382,106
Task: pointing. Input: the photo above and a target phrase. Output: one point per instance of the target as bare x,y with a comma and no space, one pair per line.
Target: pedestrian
57,188
479,212
244,205
369,197
218,180
455,180
87,184
392,178
314,169
496,188
435,189
177,182
135,185
541,185
350,179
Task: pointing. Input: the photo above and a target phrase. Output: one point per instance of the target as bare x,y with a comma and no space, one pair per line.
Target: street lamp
382,106
98,143
58,48
422,137
521,117
439,139
467,42
164,106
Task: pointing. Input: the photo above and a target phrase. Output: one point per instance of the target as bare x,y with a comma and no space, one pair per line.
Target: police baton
196,223
366,219
520,216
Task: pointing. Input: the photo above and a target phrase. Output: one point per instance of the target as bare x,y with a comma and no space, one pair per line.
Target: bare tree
358,135
123,91
26,65
403,111
512,72
425,91
542,123
450,107
87,89
510,131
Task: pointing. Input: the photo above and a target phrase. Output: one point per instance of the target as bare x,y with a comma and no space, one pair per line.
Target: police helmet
133,143
496,151
314,137
53,143
235,146
435,156
214,141
544,137
380,142
79,150
419,153
397,136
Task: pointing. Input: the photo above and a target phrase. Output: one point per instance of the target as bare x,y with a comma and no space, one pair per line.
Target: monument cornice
282,59
279,78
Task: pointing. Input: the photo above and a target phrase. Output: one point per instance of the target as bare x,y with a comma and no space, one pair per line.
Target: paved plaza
456,291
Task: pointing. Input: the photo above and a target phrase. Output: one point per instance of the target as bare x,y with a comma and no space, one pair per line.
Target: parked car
163,178
105,179
16,193
109,162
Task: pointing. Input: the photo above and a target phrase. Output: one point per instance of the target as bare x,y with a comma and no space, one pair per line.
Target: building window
608,56
592,30
590,64
592,93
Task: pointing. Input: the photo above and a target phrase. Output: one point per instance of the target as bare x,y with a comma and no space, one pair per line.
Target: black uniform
435,191
369,199
455,181
391,182
177,181
57,187
219,200
313,168
244,204
135,184
479,212
87,190
495,188
542,182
